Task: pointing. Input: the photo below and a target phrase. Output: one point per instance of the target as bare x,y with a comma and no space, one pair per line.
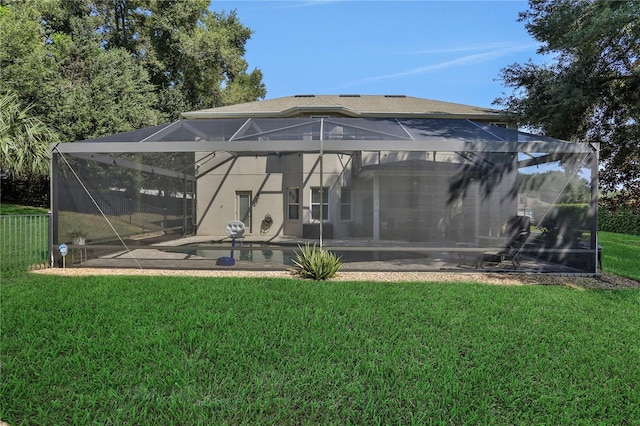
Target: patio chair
519,230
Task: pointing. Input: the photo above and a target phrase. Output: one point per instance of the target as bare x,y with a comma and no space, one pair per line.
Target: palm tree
24,141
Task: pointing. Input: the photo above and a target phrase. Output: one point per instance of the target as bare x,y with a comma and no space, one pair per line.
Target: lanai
419,185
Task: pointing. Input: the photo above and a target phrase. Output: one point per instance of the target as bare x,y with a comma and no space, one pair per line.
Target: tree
89,68
25,67
24,141
175,55
590,91
72,83
203,61
96,92
194,57
555,187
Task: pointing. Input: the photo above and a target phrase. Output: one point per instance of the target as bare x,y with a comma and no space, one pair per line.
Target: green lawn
23,241
96,227
16,209
178,350
621,254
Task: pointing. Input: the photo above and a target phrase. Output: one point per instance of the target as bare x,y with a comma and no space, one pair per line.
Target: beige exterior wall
336,173
268,181
217,197
414,203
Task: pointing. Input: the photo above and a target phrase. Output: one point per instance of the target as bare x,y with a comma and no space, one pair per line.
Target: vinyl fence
25,242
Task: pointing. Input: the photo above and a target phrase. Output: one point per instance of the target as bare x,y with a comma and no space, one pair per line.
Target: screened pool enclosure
386,194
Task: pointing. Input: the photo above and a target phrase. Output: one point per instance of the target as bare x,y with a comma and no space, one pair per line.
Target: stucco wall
415,201
217,191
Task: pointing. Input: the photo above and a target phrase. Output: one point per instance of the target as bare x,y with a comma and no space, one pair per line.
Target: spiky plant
316,263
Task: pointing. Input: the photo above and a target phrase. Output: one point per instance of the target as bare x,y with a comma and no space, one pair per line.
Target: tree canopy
94,67
590,88
555,187
79,69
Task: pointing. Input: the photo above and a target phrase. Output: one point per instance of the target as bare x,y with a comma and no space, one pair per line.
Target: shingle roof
350,106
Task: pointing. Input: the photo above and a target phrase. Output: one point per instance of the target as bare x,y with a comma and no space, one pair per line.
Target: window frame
296,204
323,190
346,203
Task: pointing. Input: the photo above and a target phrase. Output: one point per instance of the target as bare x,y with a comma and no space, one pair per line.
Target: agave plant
316,263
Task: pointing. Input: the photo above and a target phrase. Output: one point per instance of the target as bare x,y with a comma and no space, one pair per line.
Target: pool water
285,255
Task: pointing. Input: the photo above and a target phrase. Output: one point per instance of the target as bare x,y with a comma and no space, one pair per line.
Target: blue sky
443,50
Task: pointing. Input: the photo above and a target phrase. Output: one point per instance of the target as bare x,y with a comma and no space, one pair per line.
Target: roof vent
395,96
304,96
349,96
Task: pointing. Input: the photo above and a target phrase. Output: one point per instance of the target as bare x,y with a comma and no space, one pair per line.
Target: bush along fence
622,221
25,242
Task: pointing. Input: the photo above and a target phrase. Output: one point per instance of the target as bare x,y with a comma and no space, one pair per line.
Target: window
345,203
320,199
293,204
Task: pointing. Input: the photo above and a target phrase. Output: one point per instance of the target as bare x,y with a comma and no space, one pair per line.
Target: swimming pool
283,255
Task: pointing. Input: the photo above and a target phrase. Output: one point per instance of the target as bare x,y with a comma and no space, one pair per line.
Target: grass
621,254
7,209
95,226
23,241
178,350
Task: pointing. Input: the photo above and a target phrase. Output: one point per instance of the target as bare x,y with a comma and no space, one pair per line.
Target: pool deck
157,256
280,240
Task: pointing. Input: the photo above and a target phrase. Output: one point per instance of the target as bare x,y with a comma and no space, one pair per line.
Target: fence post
50,245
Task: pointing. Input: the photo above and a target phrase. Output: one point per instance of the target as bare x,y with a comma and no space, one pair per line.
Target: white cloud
468,48
476,58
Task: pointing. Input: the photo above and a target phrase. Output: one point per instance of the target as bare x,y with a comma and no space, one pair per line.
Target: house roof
369,106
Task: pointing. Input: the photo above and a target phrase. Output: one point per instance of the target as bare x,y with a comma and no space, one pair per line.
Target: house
380,170
366,193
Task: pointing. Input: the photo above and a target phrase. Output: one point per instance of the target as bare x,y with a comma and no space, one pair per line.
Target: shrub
563,215
622,221
316,263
